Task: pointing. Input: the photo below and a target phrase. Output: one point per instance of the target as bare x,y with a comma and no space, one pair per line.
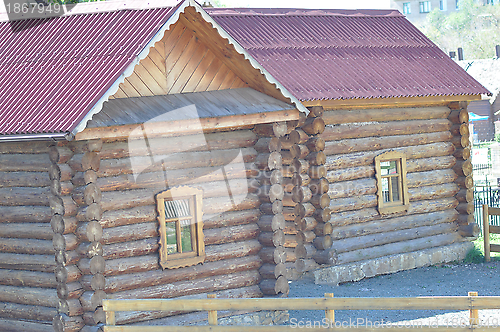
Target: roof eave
390,102
36,137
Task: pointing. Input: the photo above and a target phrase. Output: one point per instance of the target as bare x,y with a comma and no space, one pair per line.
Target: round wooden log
462,153
462,129
63,323
269,161
463,168
385,115
90,250
459,116
290,228
306,224
59,242
315,111
433,192
25,163
465,195
90,231
27,179
288,185
271,208
96,299
271,193
230,234
271,271
305,250
302,151
329,257
305,265
274,286
62,291
271,223
94,145
321,201
270,177
465,208
276,129
299,136
465,219
270,239
57,223
287,142
301,179
60,154
316,158
314,126
87,195
304,210
465,182
70,307
323,242
290,255
470,230
288,200
66,173
287,157
91,160
300,166
430,178
317,172
323,215
460,142
272,255
305,237
289,213
315,144
13,312
319,186
98,282
268,144
99,316
97,265
323,229
54,172
89,213
301,194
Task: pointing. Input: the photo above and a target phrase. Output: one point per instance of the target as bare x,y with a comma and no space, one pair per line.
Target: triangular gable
197,46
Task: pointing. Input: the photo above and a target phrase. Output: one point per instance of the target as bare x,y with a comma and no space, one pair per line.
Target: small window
425,6
406,8
443,6
181,227
392,189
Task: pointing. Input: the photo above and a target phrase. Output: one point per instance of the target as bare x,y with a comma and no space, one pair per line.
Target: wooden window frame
403,203
180,259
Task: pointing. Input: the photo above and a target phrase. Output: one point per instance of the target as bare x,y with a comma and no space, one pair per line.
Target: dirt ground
444,280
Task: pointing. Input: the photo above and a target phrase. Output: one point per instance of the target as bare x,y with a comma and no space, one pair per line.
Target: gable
179,63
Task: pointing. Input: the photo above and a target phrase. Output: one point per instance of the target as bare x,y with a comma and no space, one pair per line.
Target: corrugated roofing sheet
208,104
342,54
53,73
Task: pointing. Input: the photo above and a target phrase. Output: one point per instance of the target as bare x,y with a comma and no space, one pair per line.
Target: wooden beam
332,104
184,127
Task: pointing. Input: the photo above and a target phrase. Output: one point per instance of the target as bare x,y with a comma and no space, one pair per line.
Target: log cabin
166,150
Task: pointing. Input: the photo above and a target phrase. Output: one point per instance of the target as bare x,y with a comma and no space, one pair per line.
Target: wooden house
168,151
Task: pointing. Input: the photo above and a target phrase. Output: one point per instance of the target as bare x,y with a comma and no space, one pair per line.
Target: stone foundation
335,275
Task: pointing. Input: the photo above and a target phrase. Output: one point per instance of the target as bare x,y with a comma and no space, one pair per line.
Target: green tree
475,28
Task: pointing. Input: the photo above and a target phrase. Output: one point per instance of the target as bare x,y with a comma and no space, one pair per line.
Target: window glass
406,8
425,6
390,171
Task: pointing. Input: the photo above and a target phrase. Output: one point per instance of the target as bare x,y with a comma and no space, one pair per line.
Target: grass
476,254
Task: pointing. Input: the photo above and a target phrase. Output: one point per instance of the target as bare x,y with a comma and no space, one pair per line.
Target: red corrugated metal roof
53,73
345,54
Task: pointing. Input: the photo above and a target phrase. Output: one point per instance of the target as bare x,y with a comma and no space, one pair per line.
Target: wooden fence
329,304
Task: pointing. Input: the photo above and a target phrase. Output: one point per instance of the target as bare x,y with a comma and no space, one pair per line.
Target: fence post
473,313
330,314
212,314
486,233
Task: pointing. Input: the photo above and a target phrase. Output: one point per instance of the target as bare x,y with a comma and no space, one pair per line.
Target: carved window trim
191,197
384,206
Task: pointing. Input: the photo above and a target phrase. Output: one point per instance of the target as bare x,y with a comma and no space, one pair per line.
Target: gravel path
445,280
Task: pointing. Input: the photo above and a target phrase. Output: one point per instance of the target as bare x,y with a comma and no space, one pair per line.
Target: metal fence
486,195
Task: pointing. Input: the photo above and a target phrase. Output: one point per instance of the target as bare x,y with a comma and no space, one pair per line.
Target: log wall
27,281
117,234
432,139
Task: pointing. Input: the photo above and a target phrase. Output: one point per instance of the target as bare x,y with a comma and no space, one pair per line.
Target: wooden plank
492,211
209,75
128,89
171,40
189,68
219,78
389,102
494,247
157,59
176,70
148,79
228,81
177,51
238,83
139,85
157,73
200,71
494,229
120,93
367,303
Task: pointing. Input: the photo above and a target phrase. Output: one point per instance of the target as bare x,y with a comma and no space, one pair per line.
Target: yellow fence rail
329,304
